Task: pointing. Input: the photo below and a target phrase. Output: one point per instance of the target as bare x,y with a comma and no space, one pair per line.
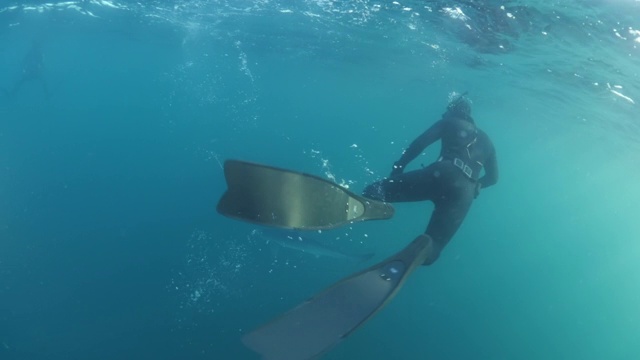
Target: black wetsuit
452,182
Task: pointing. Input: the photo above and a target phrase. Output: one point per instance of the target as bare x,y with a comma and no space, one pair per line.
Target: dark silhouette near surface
32,70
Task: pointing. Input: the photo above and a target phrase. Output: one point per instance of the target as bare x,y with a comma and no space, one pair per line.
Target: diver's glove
397,169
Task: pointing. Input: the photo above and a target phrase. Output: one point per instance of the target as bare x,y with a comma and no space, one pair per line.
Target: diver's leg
449,212
411,186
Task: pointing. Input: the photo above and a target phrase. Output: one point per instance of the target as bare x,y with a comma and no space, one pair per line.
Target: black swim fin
276,197
318,324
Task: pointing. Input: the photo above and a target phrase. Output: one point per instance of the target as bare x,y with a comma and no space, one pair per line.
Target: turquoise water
110,245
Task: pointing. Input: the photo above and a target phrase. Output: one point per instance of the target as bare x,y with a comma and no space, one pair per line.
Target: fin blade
277,197
315,326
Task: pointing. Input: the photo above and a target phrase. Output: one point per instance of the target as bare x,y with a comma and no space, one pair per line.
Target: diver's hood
459,108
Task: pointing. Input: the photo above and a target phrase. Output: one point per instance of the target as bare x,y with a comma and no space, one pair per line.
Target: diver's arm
490,171
427,138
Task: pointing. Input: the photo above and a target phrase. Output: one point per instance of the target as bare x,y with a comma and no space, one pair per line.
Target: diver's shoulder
482,133
484,137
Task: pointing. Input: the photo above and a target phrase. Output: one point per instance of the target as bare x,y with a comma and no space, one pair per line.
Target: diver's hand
397,169
478,187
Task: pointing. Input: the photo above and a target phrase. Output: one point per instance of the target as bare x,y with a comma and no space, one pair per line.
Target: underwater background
111,166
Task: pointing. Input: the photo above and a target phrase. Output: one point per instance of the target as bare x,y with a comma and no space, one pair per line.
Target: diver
282,198
452,182
32,70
